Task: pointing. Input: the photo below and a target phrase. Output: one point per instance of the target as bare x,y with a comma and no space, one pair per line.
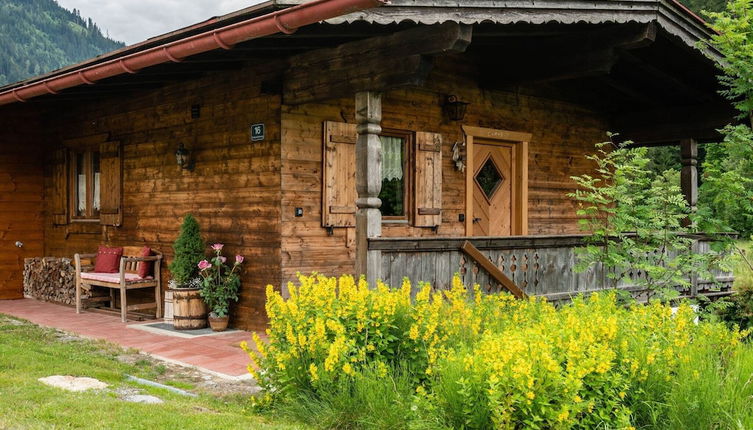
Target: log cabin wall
563,134
21,193
234,189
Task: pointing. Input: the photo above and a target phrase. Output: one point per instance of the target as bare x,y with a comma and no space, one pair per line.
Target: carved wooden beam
374,64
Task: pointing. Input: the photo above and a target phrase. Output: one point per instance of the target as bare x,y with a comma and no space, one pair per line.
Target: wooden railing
538,265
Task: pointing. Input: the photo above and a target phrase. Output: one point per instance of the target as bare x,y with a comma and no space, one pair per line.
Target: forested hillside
38,36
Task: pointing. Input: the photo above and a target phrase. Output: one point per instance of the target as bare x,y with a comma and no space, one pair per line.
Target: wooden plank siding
562,135
21,193
234,189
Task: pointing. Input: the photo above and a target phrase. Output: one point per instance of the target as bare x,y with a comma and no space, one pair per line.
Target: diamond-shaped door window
489,178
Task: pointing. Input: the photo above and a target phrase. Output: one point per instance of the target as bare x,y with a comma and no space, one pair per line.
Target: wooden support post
368,183
689,174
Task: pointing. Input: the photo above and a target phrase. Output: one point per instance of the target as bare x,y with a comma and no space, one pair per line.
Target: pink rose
239,259
223,259
204,264
217,246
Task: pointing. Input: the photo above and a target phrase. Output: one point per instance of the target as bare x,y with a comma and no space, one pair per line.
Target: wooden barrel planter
189,309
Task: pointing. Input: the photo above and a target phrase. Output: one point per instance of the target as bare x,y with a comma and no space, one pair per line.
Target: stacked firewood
51,279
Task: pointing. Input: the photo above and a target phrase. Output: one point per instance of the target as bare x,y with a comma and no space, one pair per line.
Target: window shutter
60,186
110,182
428,179
339,170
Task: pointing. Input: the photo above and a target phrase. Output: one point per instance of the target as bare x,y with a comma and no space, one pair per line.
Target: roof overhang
671,15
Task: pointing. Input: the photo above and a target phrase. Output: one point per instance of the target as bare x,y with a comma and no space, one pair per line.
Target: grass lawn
29,352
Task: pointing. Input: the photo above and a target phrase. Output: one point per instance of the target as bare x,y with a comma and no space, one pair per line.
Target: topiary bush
188,249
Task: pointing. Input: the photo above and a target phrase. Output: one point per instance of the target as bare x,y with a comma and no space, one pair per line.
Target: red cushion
108,260
144,268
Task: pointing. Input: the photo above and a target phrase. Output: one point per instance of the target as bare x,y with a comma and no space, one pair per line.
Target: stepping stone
142,398
73,383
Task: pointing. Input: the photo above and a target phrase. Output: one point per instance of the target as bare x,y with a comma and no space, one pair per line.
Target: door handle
19,244
475,220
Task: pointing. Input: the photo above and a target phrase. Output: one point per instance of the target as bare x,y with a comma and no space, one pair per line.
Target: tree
635,220
189,250
726,195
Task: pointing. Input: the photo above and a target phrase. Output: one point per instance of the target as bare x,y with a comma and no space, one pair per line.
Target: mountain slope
38,36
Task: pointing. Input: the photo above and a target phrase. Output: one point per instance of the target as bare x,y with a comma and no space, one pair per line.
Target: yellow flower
348,369
530,395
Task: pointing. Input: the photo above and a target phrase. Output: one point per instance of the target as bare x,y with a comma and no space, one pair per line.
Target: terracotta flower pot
218,323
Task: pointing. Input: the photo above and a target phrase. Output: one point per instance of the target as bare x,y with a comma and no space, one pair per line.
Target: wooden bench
126,279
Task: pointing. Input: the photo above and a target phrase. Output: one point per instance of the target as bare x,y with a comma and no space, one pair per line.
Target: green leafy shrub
188,250
634,217
342,355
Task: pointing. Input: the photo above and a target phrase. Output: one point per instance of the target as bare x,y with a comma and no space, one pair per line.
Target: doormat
167,329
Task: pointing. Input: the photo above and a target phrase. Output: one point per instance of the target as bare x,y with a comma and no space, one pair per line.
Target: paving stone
142,398
73,383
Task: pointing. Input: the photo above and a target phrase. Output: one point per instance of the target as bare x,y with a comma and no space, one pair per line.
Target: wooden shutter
110,182
428,179
339,173
59,202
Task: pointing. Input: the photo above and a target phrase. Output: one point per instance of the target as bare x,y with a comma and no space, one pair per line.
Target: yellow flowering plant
477,360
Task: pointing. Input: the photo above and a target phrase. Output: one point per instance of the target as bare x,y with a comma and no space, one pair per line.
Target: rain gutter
282,21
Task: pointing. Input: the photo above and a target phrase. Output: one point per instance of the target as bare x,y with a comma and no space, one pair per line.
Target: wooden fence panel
538,265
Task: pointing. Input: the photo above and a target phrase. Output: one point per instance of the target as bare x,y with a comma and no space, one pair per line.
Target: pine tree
189,250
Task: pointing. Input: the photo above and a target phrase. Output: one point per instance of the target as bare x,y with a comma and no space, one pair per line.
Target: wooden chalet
377,141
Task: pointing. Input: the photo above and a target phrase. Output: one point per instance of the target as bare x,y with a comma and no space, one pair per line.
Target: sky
132,21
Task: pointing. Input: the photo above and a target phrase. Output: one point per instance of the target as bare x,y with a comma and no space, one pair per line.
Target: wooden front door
493,184
496,182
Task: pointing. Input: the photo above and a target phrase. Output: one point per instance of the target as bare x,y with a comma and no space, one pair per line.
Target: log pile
50,279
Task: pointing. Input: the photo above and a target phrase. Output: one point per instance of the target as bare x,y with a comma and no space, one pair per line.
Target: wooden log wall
21,193
233,190
562,135
542,266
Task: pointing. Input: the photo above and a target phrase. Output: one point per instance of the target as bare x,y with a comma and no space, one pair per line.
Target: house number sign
257,132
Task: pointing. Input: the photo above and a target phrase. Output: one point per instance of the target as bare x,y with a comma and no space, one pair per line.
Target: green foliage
726,195
725,198
635,220
698,6
188,250
39,36
220,282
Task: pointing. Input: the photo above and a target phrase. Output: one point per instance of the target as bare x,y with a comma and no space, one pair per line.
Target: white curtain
95,202
81,182
392,158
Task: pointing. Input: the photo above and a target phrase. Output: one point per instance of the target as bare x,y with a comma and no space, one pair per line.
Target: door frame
519,141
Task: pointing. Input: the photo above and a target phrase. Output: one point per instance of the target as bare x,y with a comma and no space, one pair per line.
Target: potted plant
220,286
189,309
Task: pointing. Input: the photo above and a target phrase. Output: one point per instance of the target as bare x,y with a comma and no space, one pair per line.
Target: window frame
88,163
408,139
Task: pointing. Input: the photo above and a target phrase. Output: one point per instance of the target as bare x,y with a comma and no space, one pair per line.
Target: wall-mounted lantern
183,157
454,108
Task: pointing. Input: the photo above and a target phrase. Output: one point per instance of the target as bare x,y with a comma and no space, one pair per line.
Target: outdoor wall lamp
183,157
454,108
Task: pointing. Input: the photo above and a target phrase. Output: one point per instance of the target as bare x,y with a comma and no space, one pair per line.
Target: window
395,176
85,179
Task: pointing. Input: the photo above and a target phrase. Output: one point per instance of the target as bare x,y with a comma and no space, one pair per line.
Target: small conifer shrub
189,250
